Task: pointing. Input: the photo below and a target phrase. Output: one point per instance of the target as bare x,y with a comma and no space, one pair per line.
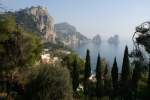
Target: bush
49,83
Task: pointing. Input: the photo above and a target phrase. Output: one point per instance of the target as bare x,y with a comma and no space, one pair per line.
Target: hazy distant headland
113,39
69,35
97,39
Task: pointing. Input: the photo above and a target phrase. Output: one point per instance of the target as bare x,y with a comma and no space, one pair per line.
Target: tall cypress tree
114,75
107,82
126,77
75,75
87,72
98,78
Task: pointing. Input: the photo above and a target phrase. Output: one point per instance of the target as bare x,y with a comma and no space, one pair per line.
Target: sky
91,17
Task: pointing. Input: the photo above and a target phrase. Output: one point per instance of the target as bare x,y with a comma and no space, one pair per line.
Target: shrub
49,83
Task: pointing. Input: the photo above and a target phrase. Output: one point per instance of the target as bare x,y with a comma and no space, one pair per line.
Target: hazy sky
104,17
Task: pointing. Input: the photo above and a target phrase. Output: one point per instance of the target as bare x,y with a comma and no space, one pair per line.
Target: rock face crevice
43,22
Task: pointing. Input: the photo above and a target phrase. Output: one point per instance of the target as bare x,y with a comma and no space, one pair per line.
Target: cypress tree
75,75
125,77
87,72
114,75
107,82
98,78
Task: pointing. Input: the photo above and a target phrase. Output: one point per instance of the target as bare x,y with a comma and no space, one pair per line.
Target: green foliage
125,74
114,75
75,76
31,49
148,82
56,46
8,23
107,82
68,61
99,84
87,65
144,85
126,77
49,83
98,68
18,48
87,72
76,67
136,76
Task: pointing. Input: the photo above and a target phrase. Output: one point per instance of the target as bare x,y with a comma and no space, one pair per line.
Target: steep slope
37,20
68,34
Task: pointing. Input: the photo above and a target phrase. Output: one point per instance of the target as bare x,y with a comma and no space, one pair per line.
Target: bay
106,50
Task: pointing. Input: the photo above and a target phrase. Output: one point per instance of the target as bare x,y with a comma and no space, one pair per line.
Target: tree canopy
49,83
18,48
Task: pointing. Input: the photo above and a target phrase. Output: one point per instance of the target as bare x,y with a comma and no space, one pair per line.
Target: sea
106,50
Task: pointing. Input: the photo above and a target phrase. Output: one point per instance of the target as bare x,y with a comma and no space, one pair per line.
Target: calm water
106,50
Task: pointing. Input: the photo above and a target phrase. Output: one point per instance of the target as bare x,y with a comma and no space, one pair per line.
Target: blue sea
106,50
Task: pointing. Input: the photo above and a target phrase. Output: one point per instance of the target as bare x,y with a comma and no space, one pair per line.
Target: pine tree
98,78
87,72
75,76
125,76
114,76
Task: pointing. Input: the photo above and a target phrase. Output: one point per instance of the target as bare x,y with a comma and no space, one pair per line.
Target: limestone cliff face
68,34
43,22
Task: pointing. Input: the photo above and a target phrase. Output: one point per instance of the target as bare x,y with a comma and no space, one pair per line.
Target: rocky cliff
68,34
38,20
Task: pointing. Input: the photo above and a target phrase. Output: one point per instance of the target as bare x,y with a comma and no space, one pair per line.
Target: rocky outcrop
97,39
41,20
68,34
113,39
65,28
